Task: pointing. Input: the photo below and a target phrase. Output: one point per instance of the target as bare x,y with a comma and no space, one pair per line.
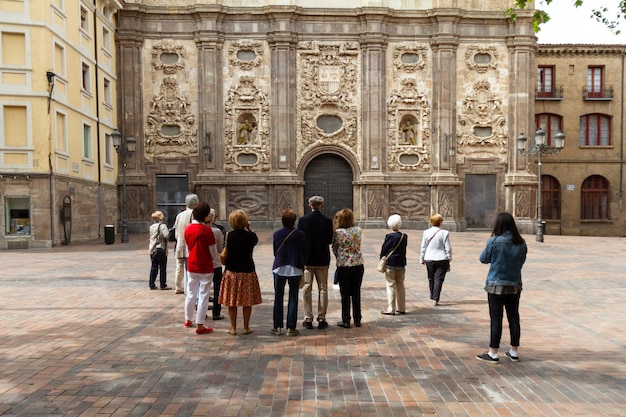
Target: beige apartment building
580,91
58,168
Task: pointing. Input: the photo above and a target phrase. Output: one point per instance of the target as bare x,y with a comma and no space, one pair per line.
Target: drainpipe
99,156
621,152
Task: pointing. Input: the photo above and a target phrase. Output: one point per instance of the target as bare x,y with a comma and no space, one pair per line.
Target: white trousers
198,286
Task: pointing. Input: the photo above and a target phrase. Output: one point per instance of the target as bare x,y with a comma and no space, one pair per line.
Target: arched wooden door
329,176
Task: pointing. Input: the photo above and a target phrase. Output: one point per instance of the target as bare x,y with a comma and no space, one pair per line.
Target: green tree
602,14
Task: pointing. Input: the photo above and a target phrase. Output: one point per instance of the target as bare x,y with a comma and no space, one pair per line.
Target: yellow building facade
58,167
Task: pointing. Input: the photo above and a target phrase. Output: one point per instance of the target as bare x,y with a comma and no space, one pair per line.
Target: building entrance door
480,201
171,191
329,176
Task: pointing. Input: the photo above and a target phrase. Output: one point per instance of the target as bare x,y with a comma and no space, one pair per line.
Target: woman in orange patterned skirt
240,284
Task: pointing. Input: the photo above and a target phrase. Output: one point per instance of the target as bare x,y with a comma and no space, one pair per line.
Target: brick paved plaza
82,335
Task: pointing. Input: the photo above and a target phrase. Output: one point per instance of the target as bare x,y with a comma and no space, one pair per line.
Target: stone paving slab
82,335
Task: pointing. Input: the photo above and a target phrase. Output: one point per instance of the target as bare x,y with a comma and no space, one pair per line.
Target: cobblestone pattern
82,335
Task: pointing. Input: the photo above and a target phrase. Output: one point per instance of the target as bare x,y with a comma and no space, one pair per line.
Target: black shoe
153,288
513,358
485,357
357,324
307,324
218,318
344,325
401,312
322,325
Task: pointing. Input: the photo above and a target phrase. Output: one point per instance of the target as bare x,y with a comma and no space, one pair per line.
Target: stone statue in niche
409,129
246,131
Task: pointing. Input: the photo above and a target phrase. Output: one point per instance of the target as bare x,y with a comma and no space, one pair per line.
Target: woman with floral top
347,250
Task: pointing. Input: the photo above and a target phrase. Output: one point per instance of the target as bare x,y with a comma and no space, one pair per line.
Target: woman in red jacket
202,250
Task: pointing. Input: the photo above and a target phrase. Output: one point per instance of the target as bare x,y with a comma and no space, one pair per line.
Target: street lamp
124,149
538,148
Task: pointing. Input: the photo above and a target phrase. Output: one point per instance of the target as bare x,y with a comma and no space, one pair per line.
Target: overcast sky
569,24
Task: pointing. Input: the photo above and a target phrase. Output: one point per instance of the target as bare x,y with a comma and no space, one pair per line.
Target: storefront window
17,216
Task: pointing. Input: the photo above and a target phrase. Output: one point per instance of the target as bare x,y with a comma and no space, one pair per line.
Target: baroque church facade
382,108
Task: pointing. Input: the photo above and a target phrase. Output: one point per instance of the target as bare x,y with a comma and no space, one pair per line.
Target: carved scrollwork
481,131
409,58
171,128
328,86
481,58
168,58
408,132
246,128
245,55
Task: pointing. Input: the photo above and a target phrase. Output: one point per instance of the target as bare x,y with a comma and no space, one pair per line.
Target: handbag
382,263
171,234
224,252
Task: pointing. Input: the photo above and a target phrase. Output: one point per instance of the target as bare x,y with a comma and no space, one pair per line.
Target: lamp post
124,148
538,148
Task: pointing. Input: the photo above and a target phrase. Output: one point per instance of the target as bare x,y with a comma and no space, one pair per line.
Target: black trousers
497,303
350,279
436,275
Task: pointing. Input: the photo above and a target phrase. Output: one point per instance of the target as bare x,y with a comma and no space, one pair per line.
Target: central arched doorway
331,177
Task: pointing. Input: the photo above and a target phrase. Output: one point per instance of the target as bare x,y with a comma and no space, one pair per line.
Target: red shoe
188,323
204,330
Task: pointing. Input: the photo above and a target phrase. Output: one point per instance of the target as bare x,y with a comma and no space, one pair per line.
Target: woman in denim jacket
506,252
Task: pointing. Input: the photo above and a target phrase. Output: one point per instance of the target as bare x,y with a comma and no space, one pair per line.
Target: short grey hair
192,200
394,222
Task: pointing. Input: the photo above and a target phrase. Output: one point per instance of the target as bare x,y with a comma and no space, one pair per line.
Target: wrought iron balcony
604,94
549,93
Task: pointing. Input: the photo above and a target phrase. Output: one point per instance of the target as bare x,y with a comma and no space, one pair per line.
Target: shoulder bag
382,263
224,252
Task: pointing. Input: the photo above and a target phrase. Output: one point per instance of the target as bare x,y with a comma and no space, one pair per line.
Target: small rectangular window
106,39
108,149
86,77
87,142
107,91
17,215
84,19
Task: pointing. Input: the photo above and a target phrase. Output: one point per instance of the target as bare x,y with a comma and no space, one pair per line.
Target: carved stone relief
245,55
409,58
170,59
523,197
246,127
408,129
481,58
171,127
481,130
376,203
409,202
284,198
329,100
447,203
254,201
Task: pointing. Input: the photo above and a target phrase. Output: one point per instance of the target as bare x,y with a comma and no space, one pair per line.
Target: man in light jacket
182,220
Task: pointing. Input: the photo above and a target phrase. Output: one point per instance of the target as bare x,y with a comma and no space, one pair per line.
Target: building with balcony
580,91
58,91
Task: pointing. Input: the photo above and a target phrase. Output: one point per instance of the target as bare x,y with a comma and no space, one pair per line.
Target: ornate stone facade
248,103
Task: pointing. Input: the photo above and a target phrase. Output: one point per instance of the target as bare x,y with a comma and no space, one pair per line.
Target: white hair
394,222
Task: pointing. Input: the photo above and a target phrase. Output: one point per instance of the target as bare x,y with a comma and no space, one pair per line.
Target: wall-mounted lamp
50,76
207,148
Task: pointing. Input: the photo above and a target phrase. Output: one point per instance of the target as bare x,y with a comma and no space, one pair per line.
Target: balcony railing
604,94
556,93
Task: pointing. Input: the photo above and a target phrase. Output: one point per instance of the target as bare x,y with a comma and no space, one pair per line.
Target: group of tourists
302,256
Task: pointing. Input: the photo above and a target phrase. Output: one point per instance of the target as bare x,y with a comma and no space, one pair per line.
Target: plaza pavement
82,335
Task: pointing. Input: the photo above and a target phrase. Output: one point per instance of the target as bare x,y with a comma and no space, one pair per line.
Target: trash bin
543,228
109,234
